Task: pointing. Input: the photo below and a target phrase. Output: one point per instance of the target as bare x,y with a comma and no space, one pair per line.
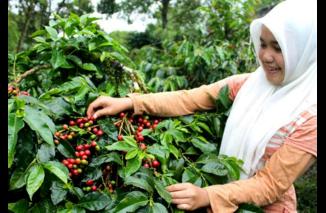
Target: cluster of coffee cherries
85,146
83,153
68,132
14,91
90,186
138,123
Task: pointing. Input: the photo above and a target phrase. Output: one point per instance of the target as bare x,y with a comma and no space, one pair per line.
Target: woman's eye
262,45
277,48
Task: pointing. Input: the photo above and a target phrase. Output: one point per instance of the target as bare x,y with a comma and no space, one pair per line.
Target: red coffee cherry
89,182
120,137
155,163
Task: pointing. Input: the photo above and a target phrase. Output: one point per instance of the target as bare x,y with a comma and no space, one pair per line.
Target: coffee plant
61,161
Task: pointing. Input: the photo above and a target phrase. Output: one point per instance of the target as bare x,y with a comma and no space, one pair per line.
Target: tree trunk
26,23
164,12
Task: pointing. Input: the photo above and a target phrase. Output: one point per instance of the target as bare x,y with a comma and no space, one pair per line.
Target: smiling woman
270,54
272,125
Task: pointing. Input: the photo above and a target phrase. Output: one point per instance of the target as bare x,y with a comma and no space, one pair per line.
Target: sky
114,23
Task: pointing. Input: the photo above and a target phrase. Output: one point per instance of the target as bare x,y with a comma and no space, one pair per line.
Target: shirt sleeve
305,136
266,186
184,102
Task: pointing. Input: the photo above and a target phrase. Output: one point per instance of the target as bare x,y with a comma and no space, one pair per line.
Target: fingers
181,194
99,102
184,206
100,113
178,187
181,201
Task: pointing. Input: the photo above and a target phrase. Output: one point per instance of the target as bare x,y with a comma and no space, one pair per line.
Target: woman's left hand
188,196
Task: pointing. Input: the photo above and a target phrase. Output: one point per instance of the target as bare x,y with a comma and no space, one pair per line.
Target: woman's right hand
105,105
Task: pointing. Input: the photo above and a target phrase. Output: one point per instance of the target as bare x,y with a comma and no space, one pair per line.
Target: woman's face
271,56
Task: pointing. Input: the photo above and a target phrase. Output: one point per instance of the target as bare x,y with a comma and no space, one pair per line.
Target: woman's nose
267,57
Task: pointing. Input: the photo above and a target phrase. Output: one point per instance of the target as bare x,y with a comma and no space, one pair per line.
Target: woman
272,125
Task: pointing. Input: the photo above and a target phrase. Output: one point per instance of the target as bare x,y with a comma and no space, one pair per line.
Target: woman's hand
105,105
188,196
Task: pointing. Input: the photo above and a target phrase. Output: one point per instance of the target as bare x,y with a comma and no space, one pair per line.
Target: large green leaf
58,106
215,168
162,191
132,153
111,157
201,144
19,206
191,176
41,123
46,152
94,201
58,192
89,67
73,209
157,208
52,32
17,179
58,59
121,146
66,149
15,124
138,182
58,169
131,202
132,166
34,179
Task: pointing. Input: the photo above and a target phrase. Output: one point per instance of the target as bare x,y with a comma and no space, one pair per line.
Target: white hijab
261,108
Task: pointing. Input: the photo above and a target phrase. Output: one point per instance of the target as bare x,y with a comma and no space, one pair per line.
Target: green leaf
131,202
121,146
91,46
46,152
94,201
131,154
223,97
15,124
82,92
57,169
93,173
58,192
34,179
18,179
58,106
73,209
157,208
190,175
111,157
53,33
132,166
19,206
66,149
58,59
203,146
217,125
75,59
174,150
215,168
41,123
162,191
138,182
205,127
89,67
